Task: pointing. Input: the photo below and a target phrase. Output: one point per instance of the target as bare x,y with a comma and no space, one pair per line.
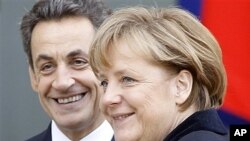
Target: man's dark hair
45,10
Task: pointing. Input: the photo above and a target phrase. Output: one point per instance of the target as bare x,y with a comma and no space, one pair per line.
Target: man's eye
79,63
47,68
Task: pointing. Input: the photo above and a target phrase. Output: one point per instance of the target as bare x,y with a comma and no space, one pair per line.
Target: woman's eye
128,80
104,84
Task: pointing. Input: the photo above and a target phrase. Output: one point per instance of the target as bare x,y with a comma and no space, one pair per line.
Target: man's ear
184,81
33,79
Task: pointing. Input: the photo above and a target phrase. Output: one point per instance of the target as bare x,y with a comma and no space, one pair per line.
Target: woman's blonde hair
171,37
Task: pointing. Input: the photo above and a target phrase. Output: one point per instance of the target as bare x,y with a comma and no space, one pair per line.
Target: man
57,35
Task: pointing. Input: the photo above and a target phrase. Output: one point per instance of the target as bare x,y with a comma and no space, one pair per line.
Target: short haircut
46,10
172,37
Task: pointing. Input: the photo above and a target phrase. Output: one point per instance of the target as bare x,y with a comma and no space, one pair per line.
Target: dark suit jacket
201,126
44,136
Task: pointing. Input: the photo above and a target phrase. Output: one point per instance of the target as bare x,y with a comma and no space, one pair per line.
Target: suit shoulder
44,136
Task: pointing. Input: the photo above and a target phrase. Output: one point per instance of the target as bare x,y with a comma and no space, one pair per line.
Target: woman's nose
112,96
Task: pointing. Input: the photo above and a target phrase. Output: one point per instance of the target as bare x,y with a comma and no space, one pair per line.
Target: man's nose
63,79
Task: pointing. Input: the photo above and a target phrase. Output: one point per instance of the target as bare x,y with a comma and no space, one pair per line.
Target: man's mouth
70,99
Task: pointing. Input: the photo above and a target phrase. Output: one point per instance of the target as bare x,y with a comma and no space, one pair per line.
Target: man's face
68,89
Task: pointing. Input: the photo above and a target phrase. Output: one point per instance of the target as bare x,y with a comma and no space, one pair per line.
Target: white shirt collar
103,133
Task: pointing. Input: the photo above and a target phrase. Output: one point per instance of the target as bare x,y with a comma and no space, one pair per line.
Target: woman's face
139,99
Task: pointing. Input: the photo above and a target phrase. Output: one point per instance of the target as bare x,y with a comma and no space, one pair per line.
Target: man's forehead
70,54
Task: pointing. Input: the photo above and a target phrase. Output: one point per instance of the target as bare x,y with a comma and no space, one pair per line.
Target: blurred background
21,115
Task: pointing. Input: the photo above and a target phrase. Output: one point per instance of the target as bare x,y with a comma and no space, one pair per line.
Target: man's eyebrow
70,54
76,52
42,57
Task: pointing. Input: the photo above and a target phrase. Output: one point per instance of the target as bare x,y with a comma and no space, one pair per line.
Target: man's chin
69,124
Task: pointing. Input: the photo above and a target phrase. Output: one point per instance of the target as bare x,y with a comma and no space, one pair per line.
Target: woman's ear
33,79
184,81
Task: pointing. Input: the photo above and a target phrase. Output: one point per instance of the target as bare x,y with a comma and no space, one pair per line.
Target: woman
162,75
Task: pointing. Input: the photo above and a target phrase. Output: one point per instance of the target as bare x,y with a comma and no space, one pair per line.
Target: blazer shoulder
205,136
